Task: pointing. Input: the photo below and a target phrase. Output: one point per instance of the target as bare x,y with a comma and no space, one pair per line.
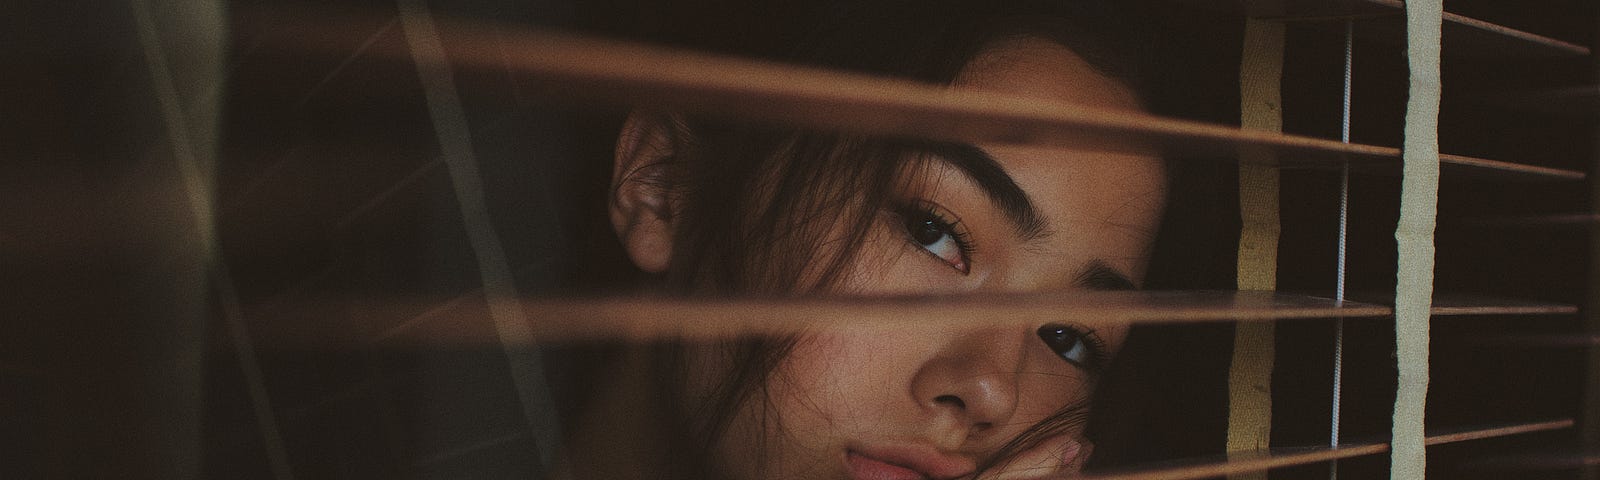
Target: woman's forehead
1106,205
1034,67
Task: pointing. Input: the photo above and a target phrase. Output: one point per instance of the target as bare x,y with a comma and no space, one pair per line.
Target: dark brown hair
757,204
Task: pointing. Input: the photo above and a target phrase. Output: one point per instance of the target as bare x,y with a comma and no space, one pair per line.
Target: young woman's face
936,402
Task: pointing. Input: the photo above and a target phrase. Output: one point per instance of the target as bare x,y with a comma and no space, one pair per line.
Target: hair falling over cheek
1073,417
787,224
700,407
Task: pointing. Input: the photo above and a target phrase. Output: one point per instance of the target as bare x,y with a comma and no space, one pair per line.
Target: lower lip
863,468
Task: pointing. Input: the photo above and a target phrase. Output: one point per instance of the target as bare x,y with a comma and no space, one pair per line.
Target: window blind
394,261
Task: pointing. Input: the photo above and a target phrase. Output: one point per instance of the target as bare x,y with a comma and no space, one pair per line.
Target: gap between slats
1540,461
1576,101
1540,341
1558,220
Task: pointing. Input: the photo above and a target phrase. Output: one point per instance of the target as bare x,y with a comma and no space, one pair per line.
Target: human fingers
1060,456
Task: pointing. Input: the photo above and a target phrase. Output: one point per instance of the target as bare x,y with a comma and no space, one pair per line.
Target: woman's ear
641,205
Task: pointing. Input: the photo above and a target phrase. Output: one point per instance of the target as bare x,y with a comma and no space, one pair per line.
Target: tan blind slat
569,67
400,322
1278,458
1464,36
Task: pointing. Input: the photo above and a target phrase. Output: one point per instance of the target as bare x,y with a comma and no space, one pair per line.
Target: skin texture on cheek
840,391
793,431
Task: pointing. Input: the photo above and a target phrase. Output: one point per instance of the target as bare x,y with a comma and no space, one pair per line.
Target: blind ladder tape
1419,193
1250,375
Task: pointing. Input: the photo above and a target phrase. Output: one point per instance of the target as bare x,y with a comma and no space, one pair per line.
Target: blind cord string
1344,221
191,133
512,325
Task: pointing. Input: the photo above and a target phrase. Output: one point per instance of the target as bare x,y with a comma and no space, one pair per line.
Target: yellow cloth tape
1419,194
1250,376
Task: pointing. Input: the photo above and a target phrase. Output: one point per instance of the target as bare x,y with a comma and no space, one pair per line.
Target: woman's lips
863,468
905,463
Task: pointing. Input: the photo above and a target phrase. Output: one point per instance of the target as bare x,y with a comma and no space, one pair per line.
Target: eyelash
926,214
1095,357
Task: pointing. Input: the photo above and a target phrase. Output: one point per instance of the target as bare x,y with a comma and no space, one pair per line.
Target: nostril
961,406
951,400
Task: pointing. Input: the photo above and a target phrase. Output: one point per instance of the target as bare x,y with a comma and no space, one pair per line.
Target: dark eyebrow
996,183
1099,276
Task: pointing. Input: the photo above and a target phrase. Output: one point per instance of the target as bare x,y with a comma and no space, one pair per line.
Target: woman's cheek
839,367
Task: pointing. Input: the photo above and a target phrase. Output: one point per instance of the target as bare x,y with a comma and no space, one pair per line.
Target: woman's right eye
937,236
1078,346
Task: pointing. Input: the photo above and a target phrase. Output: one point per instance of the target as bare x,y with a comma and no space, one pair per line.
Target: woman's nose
972,380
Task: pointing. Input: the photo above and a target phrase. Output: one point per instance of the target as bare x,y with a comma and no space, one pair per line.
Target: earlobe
641,206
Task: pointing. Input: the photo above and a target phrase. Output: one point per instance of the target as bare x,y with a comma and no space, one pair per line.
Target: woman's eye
938,238
1072,344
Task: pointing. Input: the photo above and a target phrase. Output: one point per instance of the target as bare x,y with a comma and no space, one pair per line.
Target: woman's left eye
1078,346
938,237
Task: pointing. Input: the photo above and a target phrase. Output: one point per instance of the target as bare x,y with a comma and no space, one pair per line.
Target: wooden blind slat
569,67
651,318
1469,35
1278,458
1446,304
462,321
1476,165
1463,36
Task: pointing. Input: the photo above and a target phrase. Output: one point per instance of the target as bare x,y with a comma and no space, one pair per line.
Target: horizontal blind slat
462,321
1463,36
571,68
1288,457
